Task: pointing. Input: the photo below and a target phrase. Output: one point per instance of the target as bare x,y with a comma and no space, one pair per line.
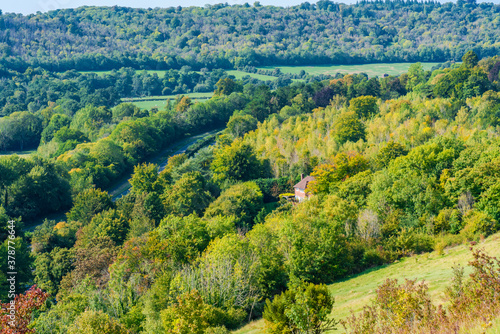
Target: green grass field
355,292
370,69
241,74
19,153
161,74
159,101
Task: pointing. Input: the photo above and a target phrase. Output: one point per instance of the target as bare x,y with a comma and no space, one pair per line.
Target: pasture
371,69
160,101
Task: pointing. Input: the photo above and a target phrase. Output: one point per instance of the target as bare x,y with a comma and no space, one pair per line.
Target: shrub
190,315
448,220
397,308
304,308
410,241
476,223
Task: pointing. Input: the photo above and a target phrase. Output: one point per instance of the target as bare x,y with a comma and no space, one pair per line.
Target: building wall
300,194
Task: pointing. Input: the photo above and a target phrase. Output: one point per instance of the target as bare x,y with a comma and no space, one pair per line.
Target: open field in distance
370,69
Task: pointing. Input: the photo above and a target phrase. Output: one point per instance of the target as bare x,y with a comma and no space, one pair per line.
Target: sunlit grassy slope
355,292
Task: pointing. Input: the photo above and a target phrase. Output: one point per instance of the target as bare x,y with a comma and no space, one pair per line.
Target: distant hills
223,36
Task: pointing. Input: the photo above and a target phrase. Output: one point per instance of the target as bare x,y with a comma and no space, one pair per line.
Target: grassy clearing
370,69
355,292
160,101
160,73
19,153
241,74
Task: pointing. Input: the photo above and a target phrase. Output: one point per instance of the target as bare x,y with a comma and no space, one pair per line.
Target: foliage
348,127
397,307
304,308
364,106
407,308
87,204
25,305
96,322
188,195
236,162
194,37
243,201
51,267
191,315
329,176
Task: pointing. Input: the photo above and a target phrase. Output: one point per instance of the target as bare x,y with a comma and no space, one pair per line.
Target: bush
448,220
447,240
373,258
478,223
407,308
301,309
397,308
410,241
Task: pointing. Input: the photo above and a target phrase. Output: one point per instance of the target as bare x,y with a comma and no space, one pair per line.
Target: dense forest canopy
223,36
402,165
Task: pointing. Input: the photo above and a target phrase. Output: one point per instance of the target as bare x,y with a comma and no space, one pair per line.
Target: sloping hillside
355,292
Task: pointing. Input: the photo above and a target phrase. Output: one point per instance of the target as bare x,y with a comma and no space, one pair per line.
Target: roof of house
303,184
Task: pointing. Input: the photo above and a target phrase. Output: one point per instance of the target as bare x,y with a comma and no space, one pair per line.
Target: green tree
57,122
470,59
24,263
186,237
188,195
89,203
389,152
146,179
51,267
125,110
191,315
238,125
65,133
236,162
243,201
328,176
109,223
304,308
363,106
416,76
348,127
227,86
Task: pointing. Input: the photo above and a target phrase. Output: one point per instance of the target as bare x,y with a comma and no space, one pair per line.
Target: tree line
223,36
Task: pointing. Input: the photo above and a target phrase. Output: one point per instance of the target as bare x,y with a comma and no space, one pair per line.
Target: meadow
160,101
352,293
240,74
370,69
161,73
24,153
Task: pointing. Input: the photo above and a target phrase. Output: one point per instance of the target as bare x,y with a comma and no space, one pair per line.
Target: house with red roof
300,188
